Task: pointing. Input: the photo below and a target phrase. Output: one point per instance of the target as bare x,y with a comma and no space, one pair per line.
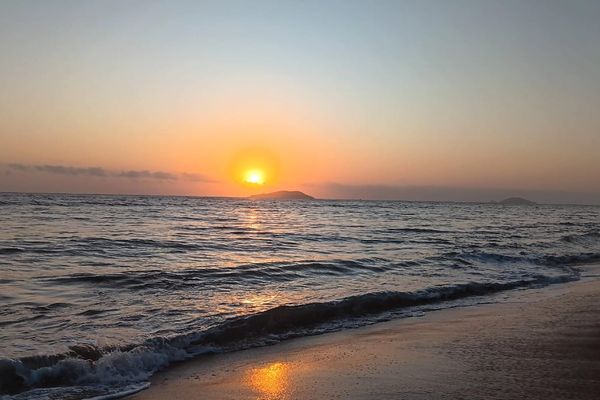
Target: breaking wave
122,369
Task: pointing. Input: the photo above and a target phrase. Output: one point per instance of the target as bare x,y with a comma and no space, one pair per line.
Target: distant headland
517,201
282,195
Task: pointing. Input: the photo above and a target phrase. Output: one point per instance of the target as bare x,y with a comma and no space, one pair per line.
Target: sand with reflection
269,382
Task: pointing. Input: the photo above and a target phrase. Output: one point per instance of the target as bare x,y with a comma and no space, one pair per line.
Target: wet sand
538,344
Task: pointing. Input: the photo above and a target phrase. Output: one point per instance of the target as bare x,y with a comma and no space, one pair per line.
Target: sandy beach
535,344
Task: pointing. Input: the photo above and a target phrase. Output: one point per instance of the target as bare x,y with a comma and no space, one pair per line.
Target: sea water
98,292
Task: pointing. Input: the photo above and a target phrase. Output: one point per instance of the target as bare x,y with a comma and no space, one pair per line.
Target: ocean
98,292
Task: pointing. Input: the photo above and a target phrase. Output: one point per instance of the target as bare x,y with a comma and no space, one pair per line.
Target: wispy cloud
147,175
105,173
194,177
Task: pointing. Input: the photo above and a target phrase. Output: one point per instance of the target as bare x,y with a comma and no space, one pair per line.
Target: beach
535,344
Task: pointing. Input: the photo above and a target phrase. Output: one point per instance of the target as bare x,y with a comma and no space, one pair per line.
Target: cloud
146,175
59,169
195,177
104,173
18,167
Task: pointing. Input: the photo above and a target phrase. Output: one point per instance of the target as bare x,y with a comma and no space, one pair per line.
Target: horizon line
490,202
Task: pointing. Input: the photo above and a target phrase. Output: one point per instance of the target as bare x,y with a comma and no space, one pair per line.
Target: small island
282,195
517,201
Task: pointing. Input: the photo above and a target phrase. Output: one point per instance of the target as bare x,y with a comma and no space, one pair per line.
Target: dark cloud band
104,173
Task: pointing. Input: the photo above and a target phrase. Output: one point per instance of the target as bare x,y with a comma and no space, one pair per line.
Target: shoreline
537,343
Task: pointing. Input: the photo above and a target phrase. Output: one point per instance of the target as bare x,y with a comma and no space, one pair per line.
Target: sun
254,177
254,169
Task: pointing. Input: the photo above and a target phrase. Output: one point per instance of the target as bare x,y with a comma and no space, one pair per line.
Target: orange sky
470,96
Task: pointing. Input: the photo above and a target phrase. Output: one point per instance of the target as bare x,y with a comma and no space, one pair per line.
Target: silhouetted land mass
517,201
282,195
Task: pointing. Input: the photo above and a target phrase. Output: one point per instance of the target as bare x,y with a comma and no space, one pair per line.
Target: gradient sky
438,100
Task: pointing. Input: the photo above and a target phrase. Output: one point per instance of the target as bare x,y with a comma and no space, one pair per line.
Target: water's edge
112,373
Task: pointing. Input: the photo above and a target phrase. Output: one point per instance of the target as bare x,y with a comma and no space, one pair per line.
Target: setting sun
254,168
254,177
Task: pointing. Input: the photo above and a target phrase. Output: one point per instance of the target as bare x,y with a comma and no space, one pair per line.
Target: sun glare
254,169
254,177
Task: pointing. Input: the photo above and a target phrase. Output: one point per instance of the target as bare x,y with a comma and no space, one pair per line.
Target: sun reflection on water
252,220
270,382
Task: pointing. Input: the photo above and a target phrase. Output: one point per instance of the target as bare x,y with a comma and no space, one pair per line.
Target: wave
268,271
571,259
418,230
587,238
115,368
10,250
471,257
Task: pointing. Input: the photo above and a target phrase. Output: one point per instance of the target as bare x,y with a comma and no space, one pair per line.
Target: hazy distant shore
540,344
